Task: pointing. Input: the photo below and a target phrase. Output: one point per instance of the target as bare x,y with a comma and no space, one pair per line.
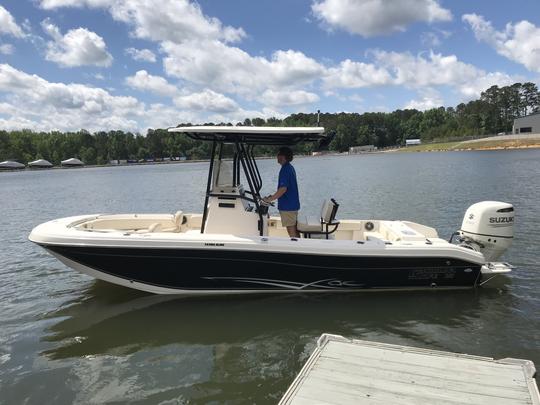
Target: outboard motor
488,227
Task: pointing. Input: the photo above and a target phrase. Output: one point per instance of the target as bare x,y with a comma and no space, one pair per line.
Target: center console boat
235,246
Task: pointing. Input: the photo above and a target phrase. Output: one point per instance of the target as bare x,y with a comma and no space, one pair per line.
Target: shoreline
485,144
508,142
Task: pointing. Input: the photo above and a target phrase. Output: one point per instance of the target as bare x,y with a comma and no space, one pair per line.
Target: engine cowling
488,227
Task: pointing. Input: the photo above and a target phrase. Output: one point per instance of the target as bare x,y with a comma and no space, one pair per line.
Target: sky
138,64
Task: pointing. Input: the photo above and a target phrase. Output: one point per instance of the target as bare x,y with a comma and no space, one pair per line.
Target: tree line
493,113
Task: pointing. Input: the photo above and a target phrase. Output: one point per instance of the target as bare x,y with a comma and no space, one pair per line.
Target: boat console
228,207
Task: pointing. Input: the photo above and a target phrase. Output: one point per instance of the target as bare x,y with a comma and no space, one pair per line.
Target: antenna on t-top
318,117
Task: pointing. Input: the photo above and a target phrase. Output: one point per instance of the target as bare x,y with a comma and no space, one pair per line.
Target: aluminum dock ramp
344,371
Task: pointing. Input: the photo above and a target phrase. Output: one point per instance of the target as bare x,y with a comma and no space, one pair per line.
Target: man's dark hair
286,152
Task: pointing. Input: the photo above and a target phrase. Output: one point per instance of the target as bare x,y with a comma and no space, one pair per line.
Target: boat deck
343,371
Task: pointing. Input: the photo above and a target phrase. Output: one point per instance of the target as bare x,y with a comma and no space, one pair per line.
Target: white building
11,165
40,164
528,124
410,142
72,162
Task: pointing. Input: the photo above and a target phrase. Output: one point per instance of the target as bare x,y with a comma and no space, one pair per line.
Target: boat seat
155,227
309,223
399,231
178,219
309,226
372,235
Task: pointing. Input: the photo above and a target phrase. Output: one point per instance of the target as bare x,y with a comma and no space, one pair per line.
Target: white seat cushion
178,218
309,224
154,227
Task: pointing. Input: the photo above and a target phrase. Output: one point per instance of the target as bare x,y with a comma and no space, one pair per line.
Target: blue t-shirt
287,178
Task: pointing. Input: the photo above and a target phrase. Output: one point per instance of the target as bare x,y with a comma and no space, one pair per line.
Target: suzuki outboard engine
488,227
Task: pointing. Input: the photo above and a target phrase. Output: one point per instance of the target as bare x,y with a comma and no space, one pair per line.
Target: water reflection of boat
107,318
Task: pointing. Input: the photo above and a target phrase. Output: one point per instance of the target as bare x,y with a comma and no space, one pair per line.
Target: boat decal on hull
330,283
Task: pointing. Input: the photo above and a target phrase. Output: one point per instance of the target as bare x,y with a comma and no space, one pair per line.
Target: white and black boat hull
198,271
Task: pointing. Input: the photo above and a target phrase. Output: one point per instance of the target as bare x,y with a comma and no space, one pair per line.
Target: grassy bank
477,145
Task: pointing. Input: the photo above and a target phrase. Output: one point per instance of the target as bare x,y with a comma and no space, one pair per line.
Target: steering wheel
265,203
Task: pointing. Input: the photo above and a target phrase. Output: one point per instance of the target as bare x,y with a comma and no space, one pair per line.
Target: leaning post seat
325,225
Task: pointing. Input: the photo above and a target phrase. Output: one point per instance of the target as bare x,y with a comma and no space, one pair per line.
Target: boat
235,246
11,165
72,162
40,164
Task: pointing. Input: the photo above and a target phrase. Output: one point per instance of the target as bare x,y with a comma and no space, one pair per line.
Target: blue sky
138,64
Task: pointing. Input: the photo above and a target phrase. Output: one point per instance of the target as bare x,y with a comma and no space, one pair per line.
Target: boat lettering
501,220
431,274
214,244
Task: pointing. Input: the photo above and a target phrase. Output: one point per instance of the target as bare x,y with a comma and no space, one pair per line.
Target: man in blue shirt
287,192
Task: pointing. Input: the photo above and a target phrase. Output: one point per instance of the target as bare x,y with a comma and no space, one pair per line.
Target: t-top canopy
254,135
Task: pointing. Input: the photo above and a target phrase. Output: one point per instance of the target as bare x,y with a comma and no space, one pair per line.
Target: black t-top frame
244,140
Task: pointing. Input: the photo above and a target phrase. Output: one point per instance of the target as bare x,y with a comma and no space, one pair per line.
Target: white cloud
430,98
420,71
163,116
6,49
375,17
434,38
64,106
78,47
207,100
279,98
519,42
144,81
292,68
142,55
402,69
199,50
472,89
52,4
8,25
350,74
435,69
194,42
241,114
30,101
171,20
237,71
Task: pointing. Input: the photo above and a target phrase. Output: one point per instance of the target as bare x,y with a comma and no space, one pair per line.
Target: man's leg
293,232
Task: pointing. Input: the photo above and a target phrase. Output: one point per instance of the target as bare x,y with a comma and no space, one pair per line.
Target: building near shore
410,142
527,124
72,162
11,165
40,164
353,150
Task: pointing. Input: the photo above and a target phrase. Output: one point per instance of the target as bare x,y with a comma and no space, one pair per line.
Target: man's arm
280,191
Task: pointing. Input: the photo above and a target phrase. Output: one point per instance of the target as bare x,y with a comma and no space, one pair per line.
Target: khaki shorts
288,218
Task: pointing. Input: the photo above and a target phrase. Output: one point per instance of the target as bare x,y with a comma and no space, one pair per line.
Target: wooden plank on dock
344,371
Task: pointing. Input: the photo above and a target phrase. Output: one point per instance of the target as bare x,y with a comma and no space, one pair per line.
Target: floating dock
344,371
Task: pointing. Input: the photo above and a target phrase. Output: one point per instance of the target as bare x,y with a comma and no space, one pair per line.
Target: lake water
66,338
